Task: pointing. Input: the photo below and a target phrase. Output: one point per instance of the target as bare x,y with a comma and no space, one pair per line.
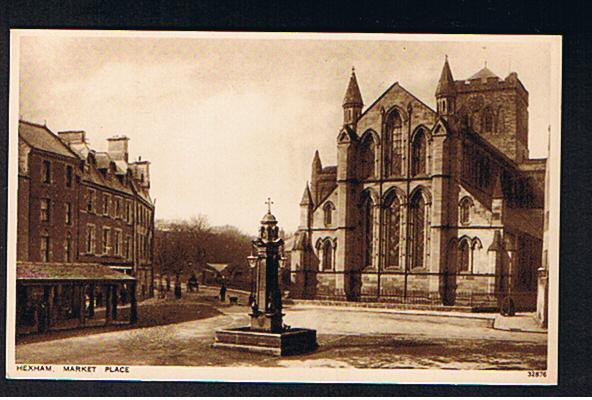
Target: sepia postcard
283,207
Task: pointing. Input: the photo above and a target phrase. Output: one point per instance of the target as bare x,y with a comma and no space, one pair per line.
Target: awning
217,267
36,273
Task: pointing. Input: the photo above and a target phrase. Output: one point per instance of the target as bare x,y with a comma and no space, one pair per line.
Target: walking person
223,292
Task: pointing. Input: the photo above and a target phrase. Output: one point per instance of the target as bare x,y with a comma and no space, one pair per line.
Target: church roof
446,82
483,74
352,94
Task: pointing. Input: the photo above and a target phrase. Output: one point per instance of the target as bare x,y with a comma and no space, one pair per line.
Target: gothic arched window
465,210
394,144
327,255
487,120
328,213
501,120
463,252
417,231
476,247
393,232
419,154
367,157
367,231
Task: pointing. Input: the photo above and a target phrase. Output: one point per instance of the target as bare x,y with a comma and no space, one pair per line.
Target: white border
278,374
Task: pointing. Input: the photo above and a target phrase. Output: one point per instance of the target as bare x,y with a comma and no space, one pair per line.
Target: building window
68,248
328,213
128,247
463,252
393,229
475,254
44,209
106,199
367,231
417,231
327,255
117,242
68,176
419,154
106,239
44,248
367,157
117,207
68,213
483,172
394,144
90,239
46,171
465,210
90,201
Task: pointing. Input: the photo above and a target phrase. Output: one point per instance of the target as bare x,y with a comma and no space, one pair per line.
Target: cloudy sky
227,122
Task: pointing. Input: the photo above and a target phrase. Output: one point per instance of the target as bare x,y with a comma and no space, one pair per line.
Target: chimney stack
118,148
73,137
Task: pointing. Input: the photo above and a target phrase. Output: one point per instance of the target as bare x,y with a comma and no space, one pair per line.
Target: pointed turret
306,206
306,196
497,243
353,97
446,83
317,169
498,192
446,91
316,162
352,102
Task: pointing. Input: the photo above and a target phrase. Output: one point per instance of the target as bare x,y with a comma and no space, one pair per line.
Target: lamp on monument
252,260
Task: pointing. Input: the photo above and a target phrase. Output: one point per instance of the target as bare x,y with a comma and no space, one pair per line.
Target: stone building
426,206
79,207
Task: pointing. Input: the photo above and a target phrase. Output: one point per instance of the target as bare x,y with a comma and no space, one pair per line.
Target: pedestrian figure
223,292
192,283
42,317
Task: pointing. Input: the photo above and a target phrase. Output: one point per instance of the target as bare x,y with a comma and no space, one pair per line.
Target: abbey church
426,206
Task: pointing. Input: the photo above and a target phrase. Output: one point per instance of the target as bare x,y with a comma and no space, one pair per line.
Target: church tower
352,102
446,92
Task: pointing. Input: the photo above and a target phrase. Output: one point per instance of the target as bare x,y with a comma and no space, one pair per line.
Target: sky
228,122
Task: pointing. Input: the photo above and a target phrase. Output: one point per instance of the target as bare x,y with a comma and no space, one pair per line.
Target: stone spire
353,97
306,196
316,162
498,192
352,103
446,85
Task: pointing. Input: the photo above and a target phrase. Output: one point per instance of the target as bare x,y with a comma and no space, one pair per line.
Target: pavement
521,322
358,338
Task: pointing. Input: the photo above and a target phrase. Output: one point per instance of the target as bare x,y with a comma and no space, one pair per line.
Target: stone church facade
426,206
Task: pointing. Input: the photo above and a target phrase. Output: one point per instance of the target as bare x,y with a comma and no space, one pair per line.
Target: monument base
289,342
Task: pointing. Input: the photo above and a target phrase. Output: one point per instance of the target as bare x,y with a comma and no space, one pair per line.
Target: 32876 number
537,374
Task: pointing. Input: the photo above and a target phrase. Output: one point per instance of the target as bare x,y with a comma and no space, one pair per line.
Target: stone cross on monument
266,310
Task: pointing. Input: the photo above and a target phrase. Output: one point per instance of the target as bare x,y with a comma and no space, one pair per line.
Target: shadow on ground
161,313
